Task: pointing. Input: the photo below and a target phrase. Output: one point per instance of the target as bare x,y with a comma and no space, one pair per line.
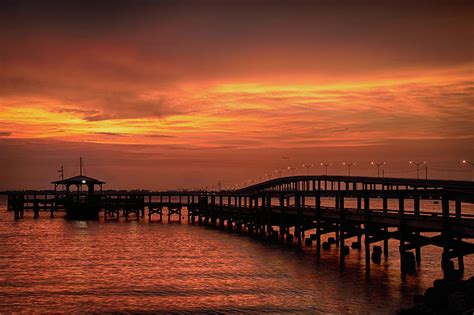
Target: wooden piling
402,231
385,229
318,222
416,208
342,249
367,231
446,236
459,239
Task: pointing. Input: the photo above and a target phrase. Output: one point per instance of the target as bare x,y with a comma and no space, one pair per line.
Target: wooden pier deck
417,213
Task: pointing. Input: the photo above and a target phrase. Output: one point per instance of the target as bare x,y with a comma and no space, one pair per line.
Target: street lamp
292,169
308,166
417,164
378,166
326,165
349,165
466,162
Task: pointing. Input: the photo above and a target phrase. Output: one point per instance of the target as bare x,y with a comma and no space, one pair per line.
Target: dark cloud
101,56
112,134
160,136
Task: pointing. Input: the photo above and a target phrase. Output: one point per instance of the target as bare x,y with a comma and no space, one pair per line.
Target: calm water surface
55,265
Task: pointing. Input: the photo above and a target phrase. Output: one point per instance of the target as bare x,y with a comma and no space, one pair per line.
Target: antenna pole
80,165
61,172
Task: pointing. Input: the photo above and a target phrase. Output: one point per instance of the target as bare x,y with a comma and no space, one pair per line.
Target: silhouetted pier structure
84,203
367,210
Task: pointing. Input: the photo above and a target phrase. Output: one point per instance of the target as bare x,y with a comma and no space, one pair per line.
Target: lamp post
466,162
349,165
279,172
308,166
292,169
417,164
326,165
378,166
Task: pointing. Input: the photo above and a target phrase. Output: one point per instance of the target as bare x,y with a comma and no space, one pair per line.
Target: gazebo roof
79,179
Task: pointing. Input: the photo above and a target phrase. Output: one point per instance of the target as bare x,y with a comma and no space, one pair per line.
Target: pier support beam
342,247
318,223
402,231
385,210
299,218
459,239
367,231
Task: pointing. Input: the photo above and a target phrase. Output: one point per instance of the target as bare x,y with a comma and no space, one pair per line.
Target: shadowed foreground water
55,265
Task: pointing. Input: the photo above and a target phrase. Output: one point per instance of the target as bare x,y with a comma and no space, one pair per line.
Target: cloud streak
282,115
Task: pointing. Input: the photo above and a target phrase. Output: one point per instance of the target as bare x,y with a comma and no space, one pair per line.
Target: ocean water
54,265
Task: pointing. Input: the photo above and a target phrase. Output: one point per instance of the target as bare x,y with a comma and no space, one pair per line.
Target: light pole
326,165
279,172
417,164
378,166
292,169
466,162
349,165
308,166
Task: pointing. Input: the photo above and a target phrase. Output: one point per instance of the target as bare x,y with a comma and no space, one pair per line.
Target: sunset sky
171,94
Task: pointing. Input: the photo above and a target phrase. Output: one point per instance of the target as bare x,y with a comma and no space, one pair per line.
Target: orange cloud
258,114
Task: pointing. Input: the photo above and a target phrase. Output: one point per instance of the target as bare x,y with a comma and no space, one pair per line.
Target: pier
360,213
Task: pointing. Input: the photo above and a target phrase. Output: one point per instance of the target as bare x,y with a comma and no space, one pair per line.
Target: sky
184,94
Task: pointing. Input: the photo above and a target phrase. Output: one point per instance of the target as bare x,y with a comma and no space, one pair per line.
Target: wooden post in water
298,218
366,230
251,226
416,205
359,226
459,239
52,205
318,223
385,210
336,232
445,261
15,204
282,217
35,207
401,230
213,211
269,214
342,249
221,212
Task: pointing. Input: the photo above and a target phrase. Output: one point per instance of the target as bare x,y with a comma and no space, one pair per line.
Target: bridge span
301,209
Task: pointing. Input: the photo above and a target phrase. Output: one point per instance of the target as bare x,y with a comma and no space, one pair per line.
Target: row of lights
349,165
268,176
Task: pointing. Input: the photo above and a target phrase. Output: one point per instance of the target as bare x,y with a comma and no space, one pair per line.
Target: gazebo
79,181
